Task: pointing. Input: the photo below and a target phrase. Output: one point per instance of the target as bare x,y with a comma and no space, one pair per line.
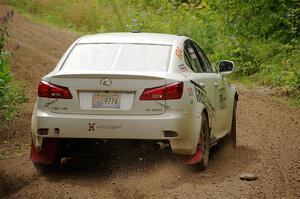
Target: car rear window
118,57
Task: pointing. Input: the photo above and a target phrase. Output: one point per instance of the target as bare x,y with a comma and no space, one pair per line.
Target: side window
208,67
191,58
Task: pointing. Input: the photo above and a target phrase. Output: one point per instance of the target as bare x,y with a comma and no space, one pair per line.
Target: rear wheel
231,138
203,143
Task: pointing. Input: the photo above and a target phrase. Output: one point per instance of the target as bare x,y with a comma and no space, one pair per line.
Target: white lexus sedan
135,86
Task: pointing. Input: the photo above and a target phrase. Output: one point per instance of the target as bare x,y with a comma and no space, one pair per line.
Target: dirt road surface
268,145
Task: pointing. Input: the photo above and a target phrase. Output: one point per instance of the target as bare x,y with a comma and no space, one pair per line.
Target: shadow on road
129,158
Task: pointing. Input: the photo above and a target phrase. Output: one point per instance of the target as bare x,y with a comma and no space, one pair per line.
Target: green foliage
5,75
262,37
14,95
11,93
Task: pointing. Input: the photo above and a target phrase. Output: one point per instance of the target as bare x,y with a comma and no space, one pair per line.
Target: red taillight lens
53,91
157,93
168,92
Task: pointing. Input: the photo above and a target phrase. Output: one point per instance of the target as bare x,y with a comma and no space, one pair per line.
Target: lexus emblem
106,82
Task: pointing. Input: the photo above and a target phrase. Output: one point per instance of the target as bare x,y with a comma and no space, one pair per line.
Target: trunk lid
107,93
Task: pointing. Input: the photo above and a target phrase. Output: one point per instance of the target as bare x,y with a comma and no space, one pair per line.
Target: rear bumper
148,127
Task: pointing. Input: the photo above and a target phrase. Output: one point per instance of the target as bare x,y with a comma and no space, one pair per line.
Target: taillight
53,91
167,92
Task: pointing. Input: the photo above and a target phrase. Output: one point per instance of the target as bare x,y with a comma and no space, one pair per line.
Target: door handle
202,84
216,84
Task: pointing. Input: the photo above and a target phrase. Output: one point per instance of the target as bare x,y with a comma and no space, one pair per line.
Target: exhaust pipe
161,145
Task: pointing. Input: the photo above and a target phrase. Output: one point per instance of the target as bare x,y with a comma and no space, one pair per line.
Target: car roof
139,38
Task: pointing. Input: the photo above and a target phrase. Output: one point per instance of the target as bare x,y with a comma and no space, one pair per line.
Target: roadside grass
288,101
262,37
245,81
12,93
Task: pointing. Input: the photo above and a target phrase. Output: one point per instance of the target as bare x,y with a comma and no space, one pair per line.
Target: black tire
204,139
231,138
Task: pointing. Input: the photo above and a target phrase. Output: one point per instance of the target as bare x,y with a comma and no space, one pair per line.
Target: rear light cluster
53,91
167,92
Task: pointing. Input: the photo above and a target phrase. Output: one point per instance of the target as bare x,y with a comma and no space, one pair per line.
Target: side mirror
225,67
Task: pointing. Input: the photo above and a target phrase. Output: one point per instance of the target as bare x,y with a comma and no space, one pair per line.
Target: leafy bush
5,74
11,93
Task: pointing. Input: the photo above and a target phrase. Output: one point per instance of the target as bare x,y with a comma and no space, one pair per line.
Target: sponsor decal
222,98
191,101
201,97
59,108
93,127
55,108
164,105
190,91
183,68
179,53
50,102
198,114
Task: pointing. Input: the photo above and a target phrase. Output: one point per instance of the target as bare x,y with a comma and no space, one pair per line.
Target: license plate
106,100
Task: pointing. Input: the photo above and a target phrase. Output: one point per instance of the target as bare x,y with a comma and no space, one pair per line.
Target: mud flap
48,153
194,159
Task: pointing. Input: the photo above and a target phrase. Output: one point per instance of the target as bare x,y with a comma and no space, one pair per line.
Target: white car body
175,120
